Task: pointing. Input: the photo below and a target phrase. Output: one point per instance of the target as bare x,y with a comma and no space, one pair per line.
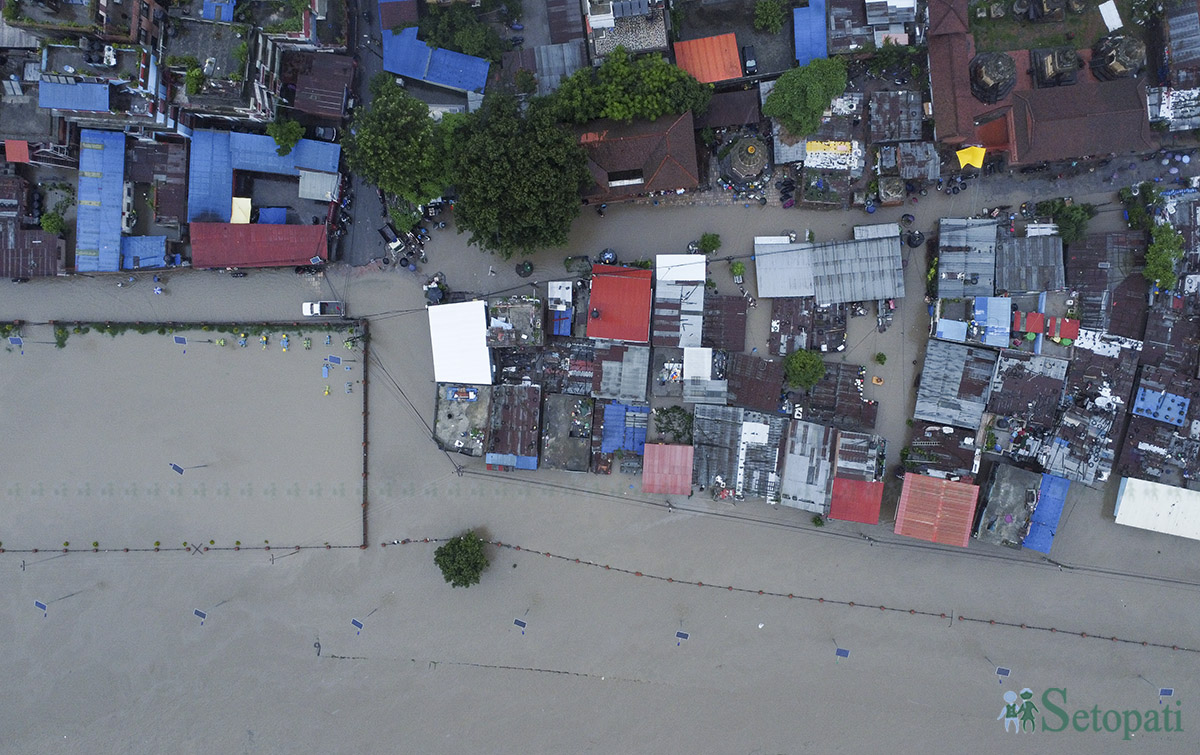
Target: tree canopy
803,369
769,16
393,144
802,94
709,242
286,133
623,89
53,222
1071,219
462,559
1165,249
456,27
518,175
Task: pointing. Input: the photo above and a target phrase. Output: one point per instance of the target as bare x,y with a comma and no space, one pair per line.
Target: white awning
1112,19
680,267
458,333
1158,507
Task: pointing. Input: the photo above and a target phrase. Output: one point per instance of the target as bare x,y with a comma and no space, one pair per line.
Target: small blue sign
15,341
842,653
680,637
41,607
200,615
520,623
333,359
357,625
181,340
178,469
1002,673
314,260
1165,692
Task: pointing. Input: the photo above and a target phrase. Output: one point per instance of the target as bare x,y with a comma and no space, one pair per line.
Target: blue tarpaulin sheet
1052,496
405,55
619,435
217,10
272,215
993,315
143,252
98,214
562,321
87,97
809,26
952,330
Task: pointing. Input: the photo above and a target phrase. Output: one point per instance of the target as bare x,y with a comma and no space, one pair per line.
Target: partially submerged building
619,306
1028,388
755,383
1158,508
567,432
667,469
966,257
26,251
1022,508
940,511
462,415
737,451
514,427
458,334
514,322
831,272
679,292
620,372
955,384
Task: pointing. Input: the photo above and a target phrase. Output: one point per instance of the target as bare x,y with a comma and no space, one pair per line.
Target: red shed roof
856,500
16,150
667,469
936,510
256,244
1029,322
710,59
622,298
1062,327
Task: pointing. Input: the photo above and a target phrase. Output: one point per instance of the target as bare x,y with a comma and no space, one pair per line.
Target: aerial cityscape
637,376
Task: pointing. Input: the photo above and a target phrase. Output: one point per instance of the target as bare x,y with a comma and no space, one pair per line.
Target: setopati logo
1020,715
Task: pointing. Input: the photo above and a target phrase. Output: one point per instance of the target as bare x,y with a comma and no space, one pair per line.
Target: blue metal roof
210,177
512,460
952,330
1052,496
217,10
405,55
91,98
454,70
1162,406
809,26
98,214
272,215
142,252
617,435
216,154
993,315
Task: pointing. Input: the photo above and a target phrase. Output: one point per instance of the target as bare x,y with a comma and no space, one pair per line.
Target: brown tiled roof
1087,118
322,82
953,116
947,17
664,150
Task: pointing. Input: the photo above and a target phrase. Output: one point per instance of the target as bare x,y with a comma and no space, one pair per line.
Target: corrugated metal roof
809,26
210,177
556,62
952,330
16,150
856,501
710,59
1183,31
98,214
919,160
992,315
742,447
1030,263
955,384
405,55
808,467
621,296
1052,497
257,152
621,372
80,97
624,428
254,245
895,116
667,469
393,13
143,252
940,511
833,272
966,257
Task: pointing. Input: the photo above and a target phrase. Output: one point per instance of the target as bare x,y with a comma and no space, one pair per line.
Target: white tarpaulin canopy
458,333
1158,507
1112,19
680,267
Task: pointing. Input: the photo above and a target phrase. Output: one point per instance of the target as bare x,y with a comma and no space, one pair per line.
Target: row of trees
624,88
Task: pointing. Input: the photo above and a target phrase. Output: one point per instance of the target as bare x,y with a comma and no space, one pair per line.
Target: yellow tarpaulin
840,148
971,156
241,210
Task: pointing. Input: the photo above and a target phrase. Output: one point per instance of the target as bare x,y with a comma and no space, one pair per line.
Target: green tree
462,559
286,133
456,27
881,358
802,94
525,81
624,88
1164,251
803,369
674,421
1071,219
518,176
193,81
709,242
52,222
395,145
769,16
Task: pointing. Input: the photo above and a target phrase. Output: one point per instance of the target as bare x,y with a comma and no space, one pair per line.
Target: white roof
680,267
1112,19
1158,507
697,362
458,333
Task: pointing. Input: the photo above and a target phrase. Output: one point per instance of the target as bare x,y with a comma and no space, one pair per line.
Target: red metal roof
256,244
1028,322
667,469
710,59
936,510
622,297
16,150
1062,327
856,501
